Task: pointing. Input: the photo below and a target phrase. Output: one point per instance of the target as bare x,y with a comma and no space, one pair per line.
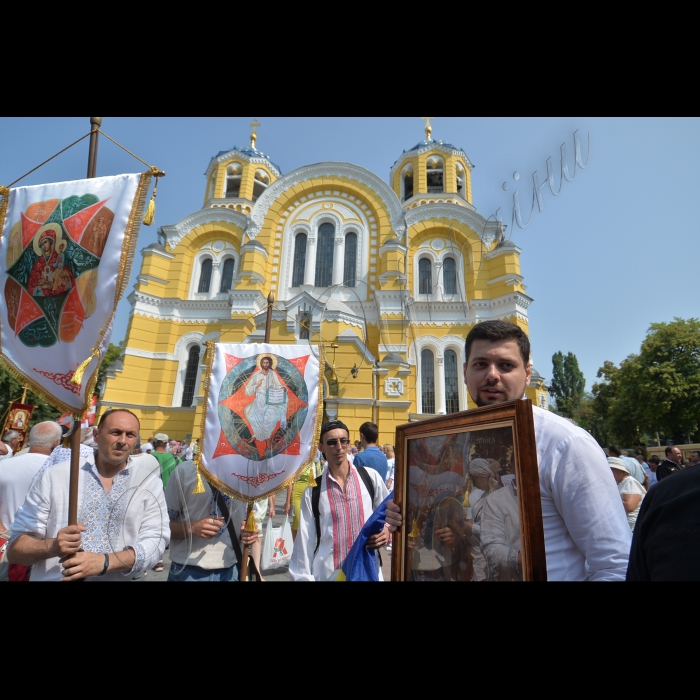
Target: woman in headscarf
631,491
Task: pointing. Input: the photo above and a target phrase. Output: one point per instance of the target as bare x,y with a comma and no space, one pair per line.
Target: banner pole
95,123
246,548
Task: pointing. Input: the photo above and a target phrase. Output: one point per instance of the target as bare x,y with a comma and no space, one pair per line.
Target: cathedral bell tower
236,178
432,172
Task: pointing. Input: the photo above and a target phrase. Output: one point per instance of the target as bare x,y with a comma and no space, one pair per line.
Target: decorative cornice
485,229
508,279
179,310
354,402
394,404
150,355
161,253
149,407
393,244
503,250
255,247
175,233
237,155
145,279
328,170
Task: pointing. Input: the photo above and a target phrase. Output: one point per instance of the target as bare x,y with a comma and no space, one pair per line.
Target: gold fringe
127,256
151,211
199,486
210,353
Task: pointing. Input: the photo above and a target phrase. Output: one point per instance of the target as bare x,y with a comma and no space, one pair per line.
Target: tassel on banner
77,377
415,532
199,486
151,209
250,523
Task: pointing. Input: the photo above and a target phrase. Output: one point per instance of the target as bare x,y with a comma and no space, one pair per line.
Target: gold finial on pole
428,128
254,136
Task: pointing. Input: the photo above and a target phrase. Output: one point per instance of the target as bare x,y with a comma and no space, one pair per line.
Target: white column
440,405
339,261
310,269
215,284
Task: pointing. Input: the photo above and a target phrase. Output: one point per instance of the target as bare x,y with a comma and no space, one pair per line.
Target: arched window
451,382
227,277
324,255
260,183
460,175
436,175
299,260
233,180
427,381
449,276
205,276
350,267
305,325
407,182
190,376
425,277
212,185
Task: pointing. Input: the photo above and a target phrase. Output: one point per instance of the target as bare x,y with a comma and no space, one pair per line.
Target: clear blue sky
617,250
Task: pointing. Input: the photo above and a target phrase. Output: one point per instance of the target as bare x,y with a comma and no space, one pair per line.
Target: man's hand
82,564
248,537
380,539
68,541
206,528
393,516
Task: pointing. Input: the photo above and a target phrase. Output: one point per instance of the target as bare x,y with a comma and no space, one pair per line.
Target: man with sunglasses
345,503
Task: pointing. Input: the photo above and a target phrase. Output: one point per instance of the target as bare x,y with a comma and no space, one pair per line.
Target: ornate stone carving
262,159
175,233
393,387
486,229
327,170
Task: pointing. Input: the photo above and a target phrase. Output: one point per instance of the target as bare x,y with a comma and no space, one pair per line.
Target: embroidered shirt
132,514
340,515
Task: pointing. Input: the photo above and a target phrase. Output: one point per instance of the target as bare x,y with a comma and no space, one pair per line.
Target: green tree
568,384
657,389
113,352
11,390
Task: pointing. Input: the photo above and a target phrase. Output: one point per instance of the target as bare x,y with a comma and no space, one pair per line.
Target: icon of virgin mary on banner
262,417
65,256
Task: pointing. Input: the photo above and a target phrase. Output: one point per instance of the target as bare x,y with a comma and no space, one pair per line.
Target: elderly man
16,476
672,464
9,443
585,531
122,525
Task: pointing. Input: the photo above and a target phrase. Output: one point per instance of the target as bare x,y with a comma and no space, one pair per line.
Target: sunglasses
334,441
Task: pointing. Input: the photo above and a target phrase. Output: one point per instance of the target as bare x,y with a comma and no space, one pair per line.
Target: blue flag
362,564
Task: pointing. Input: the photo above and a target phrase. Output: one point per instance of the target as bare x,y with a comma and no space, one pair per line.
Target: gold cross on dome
254,136
428,128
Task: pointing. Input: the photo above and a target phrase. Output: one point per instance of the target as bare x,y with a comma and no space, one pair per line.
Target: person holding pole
122,526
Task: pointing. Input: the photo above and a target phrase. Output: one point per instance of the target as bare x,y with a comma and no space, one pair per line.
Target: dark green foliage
568,384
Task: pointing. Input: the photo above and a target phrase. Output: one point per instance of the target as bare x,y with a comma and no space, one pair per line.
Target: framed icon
468,487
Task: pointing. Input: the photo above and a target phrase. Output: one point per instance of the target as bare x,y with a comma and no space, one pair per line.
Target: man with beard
585,530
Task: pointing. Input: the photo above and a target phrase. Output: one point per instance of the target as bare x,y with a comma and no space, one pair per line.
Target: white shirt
131,514
9,453
15,479
305,566
586,534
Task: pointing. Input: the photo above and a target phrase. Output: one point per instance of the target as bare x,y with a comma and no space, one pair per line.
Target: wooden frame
446,536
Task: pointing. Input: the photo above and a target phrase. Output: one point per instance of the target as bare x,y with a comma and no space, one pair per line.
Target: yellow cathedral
389,278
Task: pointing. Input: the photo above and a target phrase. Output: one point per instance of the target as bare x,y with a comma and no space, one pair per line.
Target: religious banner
262,417
18,419
65,256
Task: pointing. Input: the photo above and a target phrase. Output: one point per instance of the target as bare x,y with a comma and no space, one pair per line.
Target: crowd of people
604,516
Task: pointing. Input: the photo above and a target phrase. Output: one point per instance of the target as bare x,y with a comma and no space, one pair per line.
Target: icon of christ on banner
263,403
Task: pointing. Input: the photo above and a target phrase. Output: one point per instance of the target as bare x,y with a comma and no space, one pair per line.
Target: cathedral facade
388,278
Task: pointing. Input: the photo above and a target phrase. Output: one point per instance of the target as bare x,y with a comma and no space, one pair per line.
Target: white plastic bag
277,546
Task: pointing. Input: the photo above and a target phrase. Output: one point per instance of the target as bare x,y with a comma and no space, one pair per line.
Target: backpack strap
369,484
315,500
